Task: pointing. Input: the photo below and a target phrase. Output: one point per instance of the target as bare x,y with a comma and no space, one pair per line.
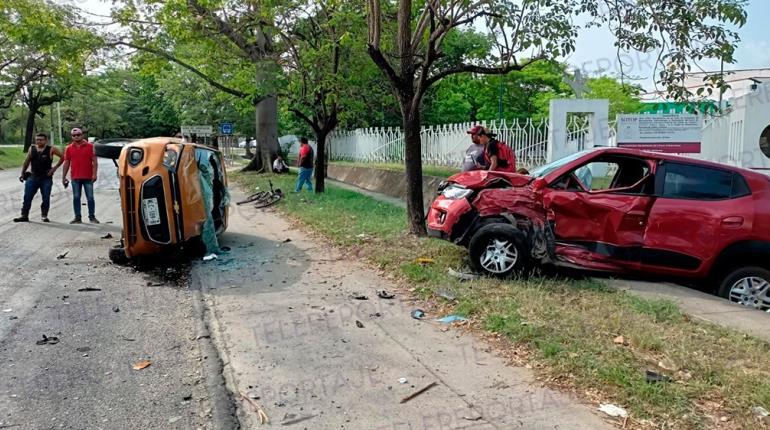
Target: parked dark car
617,210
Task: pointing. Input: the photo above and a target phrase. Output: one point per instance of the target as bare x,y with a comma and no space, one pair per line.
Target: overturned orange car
173,195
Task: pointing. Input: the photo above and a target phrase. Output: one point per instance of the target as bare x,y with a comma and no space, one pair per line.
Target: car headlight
456,192
135,156
170,158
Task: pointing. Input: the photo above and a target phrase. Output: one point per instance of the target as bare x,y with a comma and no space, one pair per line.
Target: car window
683,181
613,174
550,167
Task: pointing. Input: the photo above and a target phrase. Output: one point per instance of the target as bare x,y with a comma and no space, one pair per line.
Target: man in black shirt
40,157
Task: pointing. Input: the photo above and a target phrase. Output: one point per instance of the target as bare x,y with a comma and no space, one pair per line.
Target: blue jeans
31,185
77,186
305,174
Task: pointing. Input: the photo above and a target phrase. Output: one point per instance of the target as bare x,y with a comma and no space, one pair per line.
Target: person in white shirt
279,166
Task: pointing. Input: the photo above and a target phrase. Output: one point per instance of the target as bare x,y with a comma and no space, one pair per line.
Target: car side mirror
539,184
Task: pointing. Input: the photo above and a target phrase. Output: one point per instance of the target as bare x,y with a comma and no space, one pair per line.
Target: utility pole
58,120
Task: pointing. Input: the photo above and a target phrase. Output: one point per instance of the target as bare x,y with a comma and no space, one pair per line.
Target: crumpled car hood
477,179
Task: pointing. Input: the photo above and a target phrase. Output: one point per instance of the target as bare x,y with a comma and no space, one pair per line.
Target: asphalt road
87,380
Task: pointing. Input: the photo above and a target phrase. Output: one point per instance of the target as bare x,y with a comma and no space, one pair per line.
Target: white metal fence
445,145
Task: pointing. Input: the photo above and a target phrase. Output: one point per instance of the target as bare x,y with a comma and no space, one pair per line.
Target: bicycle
270,198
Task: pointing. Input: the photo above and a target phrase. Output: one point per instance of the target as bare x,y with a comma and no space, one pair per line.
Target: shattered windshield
550,167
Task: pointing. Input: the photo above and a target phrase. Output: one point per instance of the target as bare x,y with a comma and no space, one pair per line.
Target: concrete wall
382,181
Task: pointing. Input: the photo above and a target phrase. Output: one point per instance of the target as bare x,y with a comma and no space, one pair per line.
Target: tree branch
299,114
462,68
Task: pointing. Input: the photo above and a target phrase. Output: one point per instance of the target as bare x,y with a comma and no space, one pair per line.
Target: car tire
748,286
492,248
108,151
118,255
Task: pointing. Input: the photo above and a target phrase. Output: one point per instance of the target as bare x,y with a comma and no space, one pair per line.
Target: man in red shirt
305,164
79,155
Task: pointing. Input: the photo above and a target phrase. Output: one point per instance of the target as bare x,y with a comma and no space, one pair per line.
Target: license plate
150,211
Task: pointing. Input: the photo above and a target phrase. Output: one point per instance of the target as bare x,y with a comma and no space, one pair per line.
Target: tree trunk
413,164
320,161
267,136
29,132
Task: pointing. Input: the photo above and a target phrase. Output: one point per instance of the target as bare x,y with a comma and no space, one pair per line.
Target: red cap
476,129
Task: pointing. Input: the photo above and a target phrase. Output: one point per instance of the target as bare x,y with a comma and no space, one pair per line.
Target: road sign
198,130
676,133
226,128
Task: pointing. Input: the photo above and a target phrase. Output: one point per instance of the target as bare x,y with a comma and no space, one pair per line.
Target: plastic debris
462,276
424,260
142,365
107,236
357,296
210,257
62,256
418,314
402,380
8,310
359,324
287,240
53,340
87,289
418,392
385,295
115,309
760,411
653,377
613,410
449,319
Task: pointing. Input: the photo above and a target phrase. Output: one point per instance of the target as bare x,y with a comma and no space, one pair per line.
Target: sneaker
45,219
22,218
93,220
76,220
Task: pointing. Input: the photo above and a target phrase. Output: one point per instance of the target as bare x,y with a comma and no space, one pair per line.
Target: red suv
617,210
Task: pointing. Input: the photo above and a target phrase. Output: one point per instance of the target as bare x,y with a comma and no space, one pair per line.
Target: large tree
414,59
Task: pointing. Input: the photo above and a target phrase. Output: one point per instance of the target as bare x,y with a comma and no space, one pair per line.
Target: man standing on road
80,155
40,157
474,155
499,156
305,164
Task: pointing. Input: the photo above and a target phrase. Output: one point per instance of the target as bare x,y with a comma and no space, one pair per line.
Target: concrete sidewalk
695,303
294,337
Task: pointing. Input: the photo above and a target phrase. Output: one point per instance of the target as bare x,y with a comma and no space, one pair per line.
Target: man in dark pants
40,157
80,156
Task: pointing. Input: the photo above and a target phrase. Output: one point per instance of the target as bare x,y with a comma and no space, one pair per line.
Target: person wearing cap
40,159
81,158
498,155
474,155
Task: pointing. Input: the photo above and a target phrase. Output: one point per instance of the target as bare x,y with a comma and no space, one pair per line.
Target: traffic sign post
226,128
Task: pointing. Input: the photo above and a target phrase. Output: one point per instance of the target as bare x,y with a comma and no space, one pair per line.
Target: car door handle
732,221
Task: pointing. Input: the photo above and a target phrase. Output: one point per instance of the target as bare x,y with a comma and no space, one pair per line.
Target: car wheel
747,286
499,250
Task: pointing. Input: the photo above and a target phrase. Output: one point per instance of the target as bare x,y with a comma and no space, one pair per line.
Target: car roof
168,140
679,159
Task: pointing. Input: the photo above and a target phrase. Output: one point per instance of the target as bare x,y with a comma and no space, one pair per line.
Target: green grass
440,171
566,327
11,156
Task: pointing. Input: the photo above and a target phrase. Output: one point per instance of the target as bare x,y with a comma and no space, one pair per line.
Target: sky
595,51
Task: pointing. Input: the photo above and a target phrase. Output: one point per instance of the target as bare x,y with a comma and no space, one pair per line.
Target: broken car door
599,211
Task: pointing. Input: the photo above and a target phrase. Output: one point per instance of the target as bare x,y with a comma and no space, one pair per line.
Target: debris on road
385,295
462,276
418,314
357,296
760,411
128,339
359,324
142,365
449,319
424,261
418,392
402,380
115,309
375,315
53,340
290,419
653,377
613,410
107,236
446,294
87,289
620,340
210,257
287,240
258,409
8,310
472,418
62,256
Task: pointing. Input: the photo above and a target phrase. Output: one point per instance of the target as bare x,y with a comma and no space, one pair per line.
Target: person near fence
499,155
279,166
80,156
305,164
40,159
474,155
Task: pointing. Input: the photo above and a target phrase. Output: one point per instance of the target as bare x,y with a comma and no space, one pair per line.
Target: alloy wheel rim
752,292
499,256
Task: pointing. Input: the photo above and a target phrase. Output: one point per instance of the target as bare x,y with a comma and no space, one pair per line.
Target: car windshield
550,167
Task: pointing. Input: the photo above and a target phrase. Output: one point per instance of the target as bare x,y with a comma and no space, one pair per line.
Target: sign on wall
673,133
198,130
